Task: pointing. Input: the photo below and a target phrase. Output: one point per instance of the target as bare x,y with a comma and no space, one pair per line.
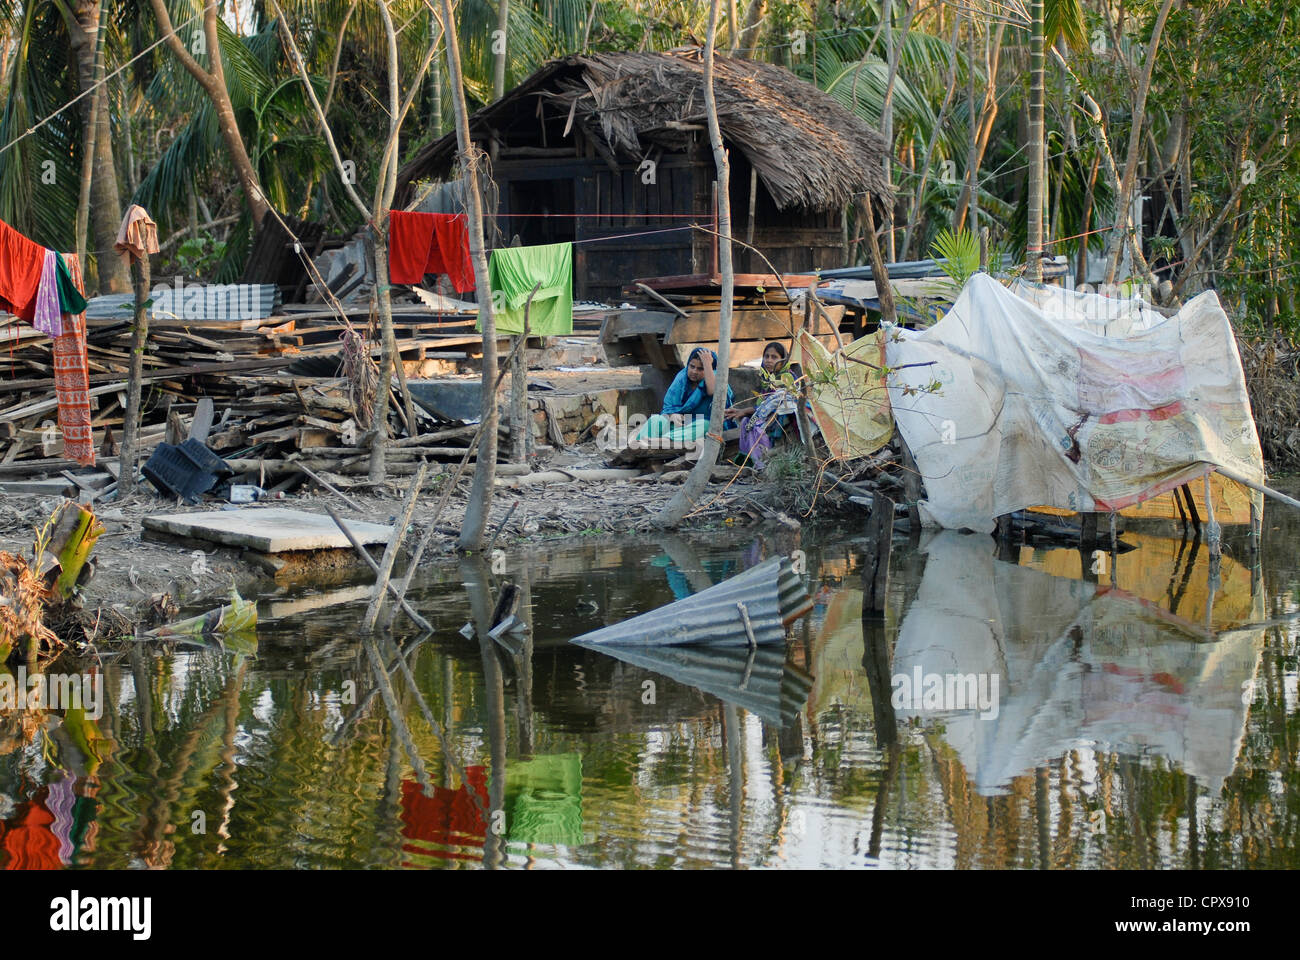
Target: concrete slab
42,488
268,529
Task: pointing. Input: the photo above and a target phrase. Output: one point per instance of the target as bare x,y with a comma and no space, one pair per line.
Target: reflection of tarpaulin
544,797
1167,581
1078,667
1069,400
848,399
448,819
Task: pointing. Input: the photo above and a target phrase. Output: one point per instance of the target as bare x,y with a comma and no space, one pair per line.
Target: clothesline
99,83
624,216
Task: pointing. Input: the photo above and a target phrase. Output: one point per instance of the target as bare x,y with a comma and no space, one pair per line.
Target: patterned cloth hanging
72,378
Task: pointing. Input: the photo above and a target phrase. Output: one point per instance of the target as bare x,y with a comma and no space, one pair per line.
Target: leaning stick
420,622
394,544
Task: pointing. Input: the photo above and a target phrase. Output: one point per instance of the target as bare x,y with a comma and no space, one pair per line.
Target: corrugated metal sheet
772,595
192,301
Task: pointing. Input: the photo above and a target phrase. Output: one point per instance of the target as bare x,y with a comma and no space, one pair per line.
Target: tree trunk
99,177
1034,246
918,198
988,114
480,501
1123,222
887,118
214,85
684,499
972,154
379,425
499,64
384,189
139,339
753,21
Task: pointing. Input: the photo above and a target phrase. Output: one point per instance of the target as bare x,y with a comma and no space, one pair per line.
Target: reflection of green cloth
545,798
512,274
70,298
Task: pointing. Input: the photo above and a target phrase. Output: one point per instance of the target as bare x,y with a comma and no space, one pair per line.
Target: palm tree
213,82
1037,144
42,180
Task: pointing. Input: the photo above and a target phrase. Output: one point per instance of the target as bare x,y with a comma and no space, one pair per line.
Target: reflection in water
1142,722
1075,665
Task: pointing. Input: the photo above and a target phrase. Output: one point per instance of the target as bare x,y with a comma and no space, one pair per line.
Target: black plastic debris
187,470
452,400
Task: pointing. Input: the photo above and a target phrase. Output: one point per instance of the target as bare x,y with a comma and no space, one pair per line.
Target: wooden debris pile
241,365
273,430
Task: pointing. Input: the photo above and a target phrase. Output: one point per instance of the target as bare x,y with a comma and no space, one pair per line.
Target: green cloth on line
512,274
70,298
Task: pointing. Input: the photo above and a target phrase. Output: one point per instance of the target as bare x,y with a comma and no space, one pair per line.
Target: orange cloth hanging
138,234
72,380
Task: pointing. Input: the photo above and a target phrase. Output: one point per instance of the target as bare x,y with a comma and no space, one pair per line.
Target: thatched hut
609,144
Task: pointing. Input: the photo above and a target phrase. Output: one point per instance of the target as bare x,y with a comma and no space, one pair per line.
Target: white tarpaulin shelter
1068,400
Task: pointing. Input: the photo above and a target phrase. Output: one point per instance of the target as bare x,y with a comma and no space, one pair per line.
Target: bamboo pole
139,338
370,561
1261,488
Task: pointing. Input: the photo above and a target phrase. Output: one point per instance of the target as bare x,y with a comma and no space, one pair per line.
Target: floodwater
1142,718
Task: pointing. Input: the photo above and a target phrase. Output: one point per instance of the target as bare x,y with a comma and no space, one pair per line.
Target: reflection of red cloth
420,243
21,261
448,818
28,841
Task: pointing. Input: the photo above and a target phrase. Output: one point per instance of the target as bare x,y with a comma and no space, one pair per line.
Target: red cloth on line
72,380
21,261
420,243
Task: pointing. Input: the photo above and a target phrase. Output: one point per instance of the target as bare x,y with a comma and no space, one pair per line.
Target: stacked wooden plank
274,429
240,364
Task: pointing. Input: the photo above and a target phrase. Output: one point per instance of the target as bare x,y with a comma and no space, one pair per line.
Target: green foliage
198,255
959,253
791,477
40,173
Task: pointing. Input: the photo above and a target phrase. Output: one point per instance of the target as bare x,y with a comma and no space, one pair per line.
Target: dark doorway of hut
540,212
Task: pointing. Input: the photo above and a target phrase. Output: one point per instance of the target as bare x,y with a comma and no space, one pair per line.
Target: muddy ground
140,578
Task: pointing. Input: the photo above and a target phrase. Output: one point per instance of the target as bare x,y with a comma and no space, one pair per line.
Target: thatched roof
808,150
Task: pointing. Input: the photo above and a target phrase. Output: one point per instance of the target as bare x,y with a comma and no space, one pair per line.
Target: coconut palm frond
185,161
958,253
1064,18
39,173
861,87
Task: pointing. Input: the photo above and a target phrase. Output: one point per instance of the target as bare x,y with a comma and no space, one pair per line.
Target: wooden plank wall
612,202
